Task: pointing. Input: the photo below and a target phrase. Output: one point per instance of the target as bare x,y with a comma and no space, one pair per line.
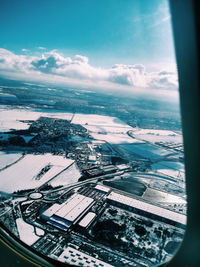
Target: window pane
92,161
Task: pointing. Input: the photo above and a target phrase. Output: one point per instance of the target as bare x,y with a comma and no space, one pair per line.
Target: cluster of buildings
80,212
50,130
76,210
78,258
99,170
63,216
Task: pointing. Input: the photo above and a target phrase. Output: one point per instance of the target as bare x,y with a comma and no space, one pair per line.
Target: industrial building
109,169
64,215
122,167
87,220
102,188
78,258
147,209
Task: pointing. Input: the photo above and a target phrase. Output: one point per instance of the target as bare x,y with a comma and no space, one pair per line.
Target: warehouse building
87,220
102,188
64,215
147,209
78,258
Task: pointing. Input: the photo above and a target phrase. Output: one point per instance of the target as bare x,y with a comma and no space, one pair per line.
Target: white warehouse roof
87,219
69,205
78,209
50,211
70,210
56,207
102,188
168,214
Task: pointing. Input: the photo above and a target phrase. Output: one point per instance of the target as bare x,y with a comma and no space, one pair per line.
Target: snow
159,196
146,150
63,116
12,118
105,128
156,138
108,129
8,158
154,132
170,168
153,136
115,138
171,172
54,170
26,232
174,165
68,176
98,120
22,174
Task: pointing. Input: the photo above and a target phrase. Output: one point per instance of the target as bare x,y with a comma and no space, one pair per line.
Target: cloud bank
53,66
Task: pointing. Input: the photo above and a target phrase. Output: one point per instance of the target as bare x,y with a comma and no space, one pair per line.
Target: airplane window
92,161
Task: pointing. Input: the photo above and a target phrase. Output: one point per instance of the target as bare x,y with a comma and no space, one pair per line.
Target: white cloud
53,66
163,80
133,75
14,63
81,59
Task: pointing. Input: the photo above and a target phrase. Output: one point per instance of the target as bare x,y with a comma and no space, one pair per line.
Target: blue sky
107,31
124,44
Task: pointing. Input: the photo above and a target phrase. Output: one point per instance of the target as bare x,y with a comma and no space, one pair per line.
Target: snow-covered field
155,132
159,196
68,176
146,150
153,136
98,121
102,128
171,168
26,232
8,158
107,129
115,138
23,174
11,118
